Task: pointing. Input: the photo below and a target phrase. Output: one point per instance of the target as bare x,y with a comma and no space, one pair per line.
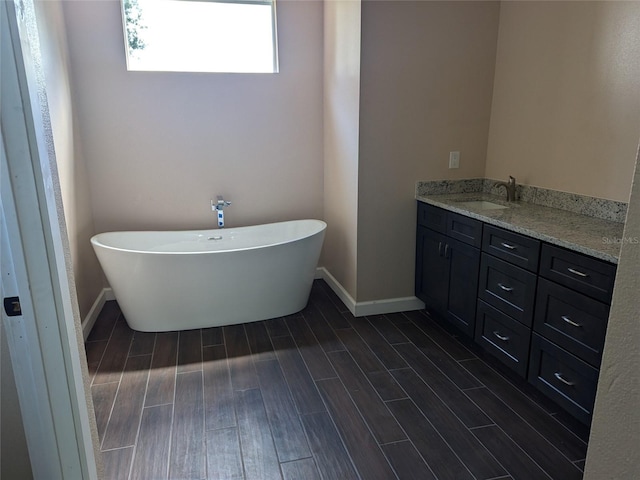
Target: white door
44,342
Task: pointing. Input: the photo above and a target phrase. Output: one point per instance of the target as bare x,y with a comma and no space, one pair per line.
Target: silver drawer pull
500,337
440,249
570,322
559,376
577,272
508,246
505,288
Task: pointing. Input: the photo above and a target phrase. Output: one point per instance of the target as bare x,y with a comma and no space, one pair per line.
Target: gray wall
426,82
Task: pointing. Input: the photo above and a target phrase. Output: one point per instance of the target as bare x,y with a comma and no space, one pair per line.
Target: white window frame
274,39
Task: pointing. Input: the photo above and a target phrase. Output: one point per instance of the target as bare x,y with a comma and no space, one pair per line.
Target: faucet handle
512,179
222,202
219,204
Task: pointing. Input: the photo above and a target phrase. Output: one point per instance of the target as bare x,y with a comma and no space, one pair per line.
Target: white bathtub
194,279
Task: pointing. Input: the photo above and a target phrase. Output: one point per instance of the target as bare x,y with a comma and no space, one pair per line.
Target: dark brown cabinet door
464,265
432,270
447,277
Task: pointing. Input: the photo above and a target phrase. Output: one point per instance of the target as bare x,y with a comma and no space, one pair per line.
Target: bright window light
201,36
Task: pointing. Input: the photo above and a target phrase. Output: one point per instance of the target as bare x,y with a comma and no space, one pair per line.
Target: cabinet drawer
562,377
510,289
582,273
572,320
503,337
512,247
432,217
465,229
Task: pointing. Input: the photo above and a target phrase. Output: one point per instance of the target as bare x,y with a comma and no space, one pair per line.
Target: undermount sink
482,205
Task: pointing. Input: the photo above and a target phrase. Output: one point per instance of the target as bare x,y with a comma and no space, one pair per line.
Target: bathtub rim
322,226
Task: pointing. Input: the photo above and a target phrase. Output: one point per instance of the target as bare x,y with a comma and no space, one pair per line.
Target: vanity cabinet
506,296
447,264
570,323
540,309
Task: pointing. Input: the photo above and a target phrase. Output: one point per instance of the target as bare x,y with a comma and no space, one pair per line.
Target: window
201,35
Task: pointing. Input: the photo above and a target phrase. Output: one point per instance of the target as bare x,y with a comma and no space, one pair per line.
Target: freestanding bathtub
194,279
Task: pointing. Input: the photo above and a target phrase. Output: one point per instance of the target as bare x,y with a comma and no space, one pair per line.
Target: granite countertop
589,235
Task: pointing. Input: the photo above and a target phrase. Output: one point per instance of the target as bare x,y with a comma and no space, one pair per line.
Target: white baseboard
374,307
105,295
337,288
388,305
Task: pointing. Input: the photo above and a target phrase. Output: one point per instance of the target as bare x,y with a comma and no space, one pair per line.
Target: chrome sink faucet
510,187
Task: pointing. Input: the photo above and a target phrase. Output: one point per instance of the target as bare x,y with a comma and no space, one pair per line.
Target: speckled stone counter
589,235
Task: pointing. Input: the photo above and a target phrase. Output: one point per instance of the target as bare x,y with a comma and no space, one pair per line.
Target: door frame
45,339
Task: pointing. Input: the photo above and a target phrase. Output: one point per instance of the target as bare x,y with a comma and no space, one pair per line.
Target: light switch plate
454,159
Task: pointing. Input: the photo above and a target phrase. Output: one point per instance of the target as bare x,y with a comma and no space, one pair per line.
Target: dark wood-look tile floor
319,395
